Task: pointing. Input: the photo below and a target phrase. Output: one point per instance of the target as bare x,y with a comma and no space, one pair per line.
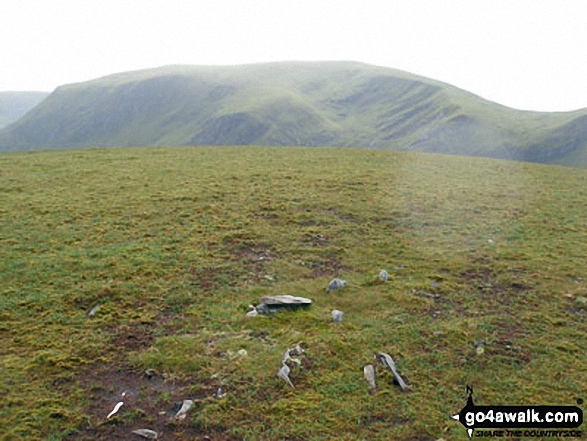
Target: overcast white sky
527,54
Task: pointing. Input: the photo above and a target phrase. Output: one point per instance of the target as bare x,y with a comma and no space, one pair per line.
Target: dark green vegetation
13,105
305,104
174,244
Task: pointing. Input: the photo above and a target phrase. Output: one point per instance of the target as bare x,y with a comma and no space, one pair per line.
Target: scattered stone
427,295
336,284
146,433
490,241
263,309
150,374
182,412
337,316
284,374
115,410
252,312
219,393
231,355
480,350
383,276
296,350
287,357
388,362
288,362
369,374
94,310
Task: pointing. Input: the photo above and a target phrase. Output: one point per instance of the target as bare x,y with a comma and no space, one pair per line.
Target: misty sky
527,54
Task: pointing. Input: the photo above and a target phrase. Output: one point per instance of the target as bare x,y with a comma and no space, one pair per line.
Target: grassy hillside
174,243
293,103
13,105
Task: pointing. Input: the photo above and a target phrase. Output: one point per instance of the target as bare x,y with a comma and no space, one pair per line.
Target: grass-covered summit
174,244
298,104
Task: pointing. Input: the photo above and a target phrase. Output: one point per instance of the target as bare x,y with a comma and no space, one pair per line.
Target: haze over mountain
13,105
295,104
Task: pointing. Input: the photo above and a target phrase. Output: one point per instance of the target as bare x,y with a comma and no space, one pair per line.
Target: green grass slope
13,105
173,244
293,103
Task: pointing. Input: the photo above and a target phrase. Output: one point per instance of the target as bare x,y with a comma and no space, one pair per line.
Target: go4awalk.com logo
520,421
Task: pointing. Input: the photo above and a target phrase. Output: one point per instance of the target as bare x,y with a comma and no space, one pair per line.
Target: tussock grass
173,244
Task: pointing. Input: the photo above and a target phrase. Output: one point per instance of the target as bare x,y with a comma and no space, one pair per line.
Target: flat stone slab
284,301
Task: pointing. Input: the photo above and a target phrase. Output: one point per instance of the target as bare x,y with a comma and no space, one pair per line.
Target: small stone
146,433
369,374
116,409
337,316
336,284
252,312
480,350
388,362
284,374
296,350
150,374
93,311
383,276
182,412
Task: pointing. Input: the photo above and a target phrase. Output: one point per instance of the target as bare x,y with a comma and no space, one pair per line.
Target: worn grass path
173,244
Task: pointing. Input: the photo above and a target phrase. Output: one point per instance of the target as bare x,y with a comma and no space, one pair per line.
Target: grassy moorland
174,243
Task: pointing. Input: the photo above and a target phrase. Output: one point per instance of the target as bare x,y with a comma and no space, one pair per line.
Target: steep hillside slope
13,105
293,103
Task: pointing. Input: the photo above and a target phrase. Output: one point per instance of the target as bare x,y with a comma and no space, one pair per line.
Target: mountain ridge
344,104
15,104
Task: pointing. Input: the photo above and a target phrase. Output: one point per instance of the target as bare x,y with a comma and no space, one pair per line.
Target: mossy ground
174,243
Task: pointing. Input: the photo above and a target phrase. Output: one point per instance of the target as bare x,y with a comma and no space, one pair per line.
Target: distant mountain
13,105
294,103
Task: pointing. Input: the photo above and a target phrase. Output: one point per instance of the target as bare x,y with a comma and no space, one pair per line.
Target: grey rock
388,362
146,433
284,300
336,284
337,316
93,311
272,304
383,276
182,412
369,374
252,312
284,374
